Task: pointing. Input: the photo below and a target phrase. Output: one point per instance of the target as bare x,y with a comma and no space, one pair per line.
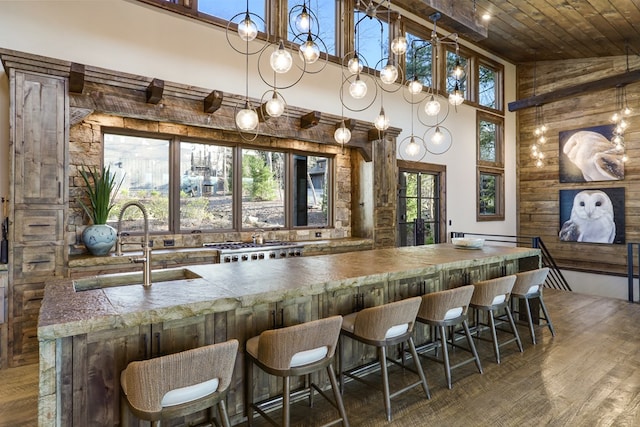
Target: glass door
418,208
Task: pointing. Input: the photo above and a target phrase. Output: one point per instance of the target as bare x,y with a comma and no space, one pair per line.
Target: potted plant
101,190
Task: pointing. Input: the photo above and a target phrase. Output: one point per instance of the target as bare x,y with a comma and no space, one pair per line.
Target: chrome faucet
145,260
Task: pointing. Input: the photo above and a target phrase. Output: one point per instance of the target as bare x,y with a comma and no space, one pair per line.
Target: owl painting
595,156
592,219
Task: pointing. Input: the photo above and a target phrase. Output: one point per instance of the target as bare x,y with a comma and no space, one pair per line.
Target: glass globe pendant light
354,65
432,107
309,50
342,135
358,88
414,85
303,20
412,148
456,98
281,60
247,118
389,73
399,45
382,121
247,29
437,136
275,106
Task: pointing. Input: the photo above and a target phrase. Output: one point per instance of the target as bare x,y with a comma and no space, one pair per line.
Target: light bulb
281,60
534,149
540,155
247,29
625,158
309,51
355,65
275,106
542,139
247,118
342,135
537,131
543,128
615,117
432,107
358,88
303,20
399,45
617,139
618,146
437,136
389,73
415,86
456,97
627,111
412,147
458,71
623,124
539,163
382,121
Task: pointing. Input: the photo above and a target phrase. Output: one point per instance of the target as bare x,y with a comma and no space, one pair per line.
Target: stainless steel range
247,251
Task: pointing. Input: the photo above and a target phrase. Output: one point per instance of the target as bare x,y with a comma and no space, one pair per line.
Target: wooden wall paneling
538,188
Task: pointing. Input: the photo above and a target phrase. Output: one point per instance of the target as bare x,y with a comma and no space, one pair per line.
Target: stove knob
272,255
245,257
261,256
298,252
234,258
227,259
283,254
254,256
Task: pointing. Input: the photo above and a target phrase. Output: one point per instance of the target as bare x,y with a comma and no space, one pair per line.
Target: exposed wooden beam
154,91
213,101
567,92
76,78
457,16
310,120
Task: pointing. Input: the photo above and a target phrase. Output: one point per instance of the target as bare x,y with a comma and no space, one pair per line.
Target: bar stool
180,384
290,352
491,296
382,326
442,310
527,287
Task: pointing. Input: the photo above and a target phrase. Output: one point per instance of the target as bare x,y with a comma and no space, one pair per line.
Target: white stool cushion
533,289
394,331
452,313
305,357
499,299
190,393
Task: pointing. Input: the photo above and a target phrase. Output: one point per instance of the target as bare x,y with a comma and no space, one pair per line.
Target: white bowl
467,242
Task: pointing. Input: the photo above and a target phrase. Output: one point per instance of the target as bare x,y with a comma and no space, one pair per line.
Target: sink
133,278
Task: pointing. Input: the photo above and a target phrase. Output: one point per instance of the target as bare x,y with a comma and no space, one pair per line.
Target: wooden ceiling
527,30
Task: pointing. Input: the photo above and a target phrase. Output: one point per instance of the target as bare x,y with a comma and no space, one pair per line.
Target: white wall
132,37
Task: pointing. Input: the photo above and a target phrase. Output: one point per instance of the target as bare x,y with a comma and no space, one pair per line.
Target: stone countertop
224,287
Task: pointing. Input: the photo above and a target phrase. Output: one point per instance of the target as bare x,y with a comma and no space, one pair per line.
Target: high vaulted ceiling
529,30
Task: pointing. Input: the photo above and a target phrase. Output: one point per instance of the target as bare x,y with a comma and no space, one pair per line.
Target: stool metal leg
514,329
472,346
416,361
530,320
382,356
494,336
285,401
248,403
337,396
224,416
546,316
445,355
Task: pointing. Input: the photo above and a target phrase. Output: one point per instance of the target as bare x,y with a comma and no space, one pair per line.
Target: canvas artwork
588,155
592,215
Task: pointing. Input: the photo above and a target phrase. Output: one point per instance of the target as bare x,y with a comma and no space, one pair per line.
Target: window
228,9
452,58
489,79
143,163
422,67
490,165
325,12
371,40
206,187
275,189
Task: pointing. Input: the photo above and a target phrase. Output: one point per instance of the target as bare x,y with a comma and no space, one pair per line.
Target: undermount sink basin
133,278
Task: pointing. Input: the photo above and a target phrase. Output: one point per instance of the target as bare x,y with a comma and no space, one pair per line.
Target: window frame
237,147
495,168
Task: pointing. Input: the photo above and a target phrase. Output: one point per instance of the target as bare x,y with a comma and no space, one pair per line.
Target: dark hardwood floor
588,375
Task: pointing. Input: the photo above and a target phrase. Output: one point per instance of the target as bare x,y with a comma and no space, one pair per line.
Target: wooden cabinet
38,141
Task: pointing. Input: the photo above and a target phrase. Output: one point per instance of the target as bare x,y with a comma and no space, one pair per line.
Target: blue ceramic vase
99,239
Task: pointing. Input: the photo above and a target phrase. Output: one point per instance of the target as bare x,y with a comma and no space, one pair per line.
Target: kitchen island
88,337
